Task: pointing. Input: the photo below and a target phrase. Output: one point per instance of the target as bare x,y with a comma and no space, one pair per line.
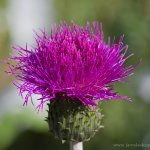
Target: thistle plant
73,70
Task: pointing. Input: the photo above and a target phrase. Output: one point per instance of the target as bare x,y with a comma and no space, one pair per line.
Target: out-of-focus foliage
14,124
125,122
4,44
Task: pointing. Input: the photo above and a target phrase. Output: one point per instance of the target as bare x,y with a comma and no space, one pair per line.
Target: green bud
73,121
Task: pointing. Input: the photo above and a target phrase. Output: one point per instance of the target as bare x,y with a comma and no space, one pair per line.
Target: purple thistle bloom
71,61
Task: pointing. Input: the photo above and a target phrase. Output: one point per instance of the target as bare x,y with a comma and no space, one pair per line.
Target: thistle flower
71,61
73,69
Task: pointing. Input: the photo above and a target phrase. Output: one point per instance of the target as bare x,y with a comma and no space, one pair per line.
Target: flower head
72,62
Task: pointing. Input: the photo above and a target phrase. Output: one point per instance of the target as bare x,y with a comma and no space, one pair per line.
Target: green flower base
73,121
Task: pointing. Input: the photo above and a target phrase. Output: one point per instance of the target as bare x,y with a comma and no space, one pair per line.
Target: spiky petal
72,60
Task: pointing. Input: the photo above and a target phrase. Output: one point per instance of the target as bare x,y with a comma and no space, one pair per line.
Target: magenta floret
74,61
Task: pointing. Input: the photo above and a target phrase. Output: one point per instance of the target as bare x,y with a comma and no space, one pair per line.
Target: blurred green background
125,123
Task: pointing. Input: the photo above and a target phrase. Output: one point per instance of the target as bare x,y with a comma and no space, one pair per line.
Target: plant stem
76,145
